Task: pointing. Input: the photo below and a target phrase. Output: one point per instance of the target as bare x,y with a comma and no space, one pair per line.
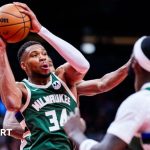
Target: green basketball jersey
45,113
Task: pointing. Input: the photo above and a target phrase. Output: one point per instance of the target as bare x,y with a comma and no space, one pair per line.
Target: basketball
14,25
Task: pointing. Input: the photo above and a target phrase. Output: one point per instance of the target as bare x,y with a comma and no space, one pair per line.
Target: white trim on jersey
66,87
29,92
27,133
39,86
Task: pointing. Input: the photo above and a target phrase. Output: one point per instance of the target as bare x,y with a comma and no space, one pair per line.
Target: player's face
36,61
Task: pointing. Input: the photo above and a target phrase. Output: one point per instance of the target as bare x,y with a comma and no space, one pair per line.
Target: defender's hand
74,124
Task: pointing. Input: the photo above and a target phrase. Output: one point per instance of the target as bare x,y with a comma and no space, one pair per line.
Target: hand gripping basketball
14,25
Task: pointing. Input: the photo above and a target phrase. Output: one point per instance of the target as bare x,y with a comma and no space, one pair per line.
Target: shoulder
70,74
20,85
23,89
135,103
139,97
60,71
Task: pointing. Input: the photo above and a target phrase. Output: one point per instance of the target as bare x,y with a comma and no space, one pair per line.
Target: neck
143,78
39,81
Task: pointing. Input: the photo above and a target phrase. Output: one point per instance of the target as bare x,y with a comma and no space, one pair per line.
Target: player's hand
74,125
35,24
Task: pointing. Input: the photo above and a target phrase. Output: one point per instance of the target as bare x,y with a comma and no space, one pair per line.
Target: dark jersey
45,113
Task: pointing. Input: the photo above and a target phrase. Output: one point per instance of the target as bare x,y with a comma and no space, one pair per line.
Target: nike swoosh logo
34,89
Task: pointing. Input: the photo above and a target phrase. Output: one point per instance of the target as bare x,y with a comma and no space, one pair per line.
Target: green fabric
136,144
45,116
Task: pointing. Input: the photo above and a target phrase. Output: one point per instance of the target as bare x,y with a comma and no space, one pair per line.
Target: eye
45,53
34,55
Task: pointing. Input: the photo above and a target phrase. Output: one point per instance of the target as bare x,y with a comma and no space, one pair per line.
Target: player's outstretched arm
75,130
104,84
10,94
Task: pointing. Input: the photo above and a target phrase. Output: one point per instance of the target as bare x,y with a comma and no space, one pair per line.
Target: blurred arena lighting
114,40
88,48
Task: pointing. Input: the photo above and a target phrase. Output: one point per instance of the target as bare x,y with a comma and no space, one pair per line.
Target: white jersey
133,117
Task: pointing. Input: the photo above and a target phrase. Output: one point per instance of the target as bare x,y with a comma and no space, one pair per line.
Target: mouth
45,66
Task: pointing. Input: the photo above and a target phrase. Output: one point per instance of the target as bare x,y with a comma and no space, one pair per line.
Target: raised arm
104,84
10,93
77,65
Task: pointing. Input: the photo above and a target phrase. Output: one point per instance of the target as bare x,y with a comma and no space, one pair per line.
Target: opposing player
133,116
47,95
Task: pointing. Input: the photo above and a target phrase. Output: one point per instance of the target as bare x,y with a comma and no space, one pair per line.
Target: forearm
89,144
83,142
10,122
108,143
10,94
66,50
78,137
111,80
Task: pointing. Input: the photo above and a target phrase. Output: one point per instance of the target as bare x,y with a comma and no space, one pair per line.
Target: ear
23,65
136,66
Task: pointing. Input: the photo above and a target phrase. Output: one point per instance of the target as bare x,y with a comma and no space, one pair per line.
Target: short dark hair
24,46
145,46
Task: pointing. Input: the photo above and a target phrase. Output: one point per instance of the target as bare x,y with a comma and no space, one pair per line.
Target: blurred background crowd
104,31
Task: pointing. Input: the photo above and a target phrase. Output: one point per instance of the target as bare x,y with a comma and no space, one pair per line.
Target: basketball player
47,95
84,87
133,115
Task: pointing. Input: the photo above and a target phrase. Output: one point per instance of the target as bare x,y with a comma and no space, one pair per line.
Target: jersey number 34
55,124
